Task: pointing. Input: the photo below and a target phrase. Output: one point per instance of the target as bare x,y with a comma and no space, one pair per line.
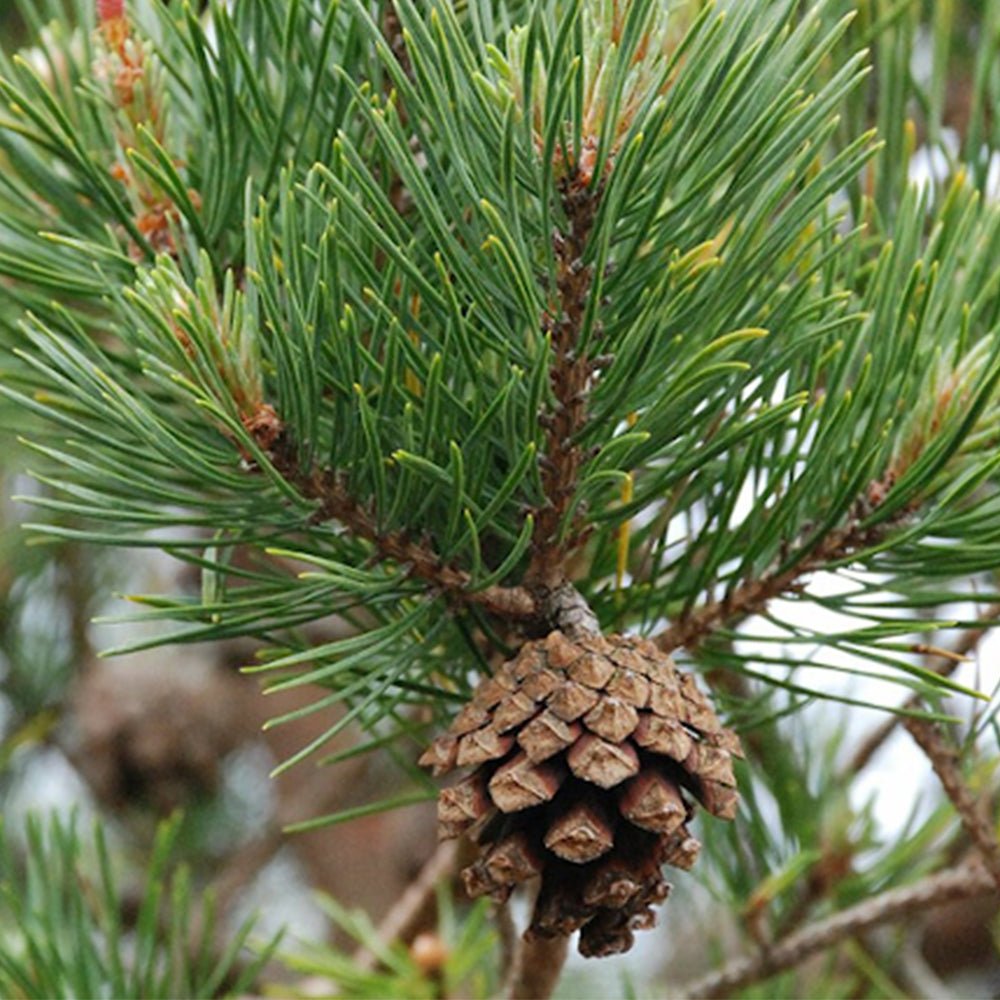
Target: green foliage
463,941
272,248
64,935
764,347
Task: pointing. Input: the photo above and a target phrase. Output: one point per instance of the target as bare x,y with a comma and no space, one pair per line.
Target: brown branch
539,965
317,794
510,946
945,761
336,503
874,742
569,375
752,596
242,867
964,882
945,665
569,378
407,916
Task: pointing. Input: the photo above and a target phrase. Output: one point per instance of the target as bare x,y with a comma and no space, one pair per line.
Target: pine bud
110,10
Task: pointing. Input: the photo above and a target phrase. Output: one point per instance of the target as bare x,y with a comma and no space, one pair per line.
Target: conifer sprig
433,317
66,935
360,313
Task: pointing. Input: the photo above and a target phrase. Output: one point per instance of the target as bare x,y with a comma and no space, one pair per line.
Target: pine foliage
64,932
409,313
286,343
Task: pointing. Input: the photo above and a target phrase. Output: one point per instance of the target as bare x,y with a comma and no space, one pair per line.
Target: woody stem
569,380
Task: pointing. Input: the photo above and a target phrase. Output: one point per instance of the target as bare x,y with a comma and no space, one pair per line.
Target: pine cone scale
663,736
653,802
583,833
482,745
601,762
592,670
513,860
518,784
630,687
572,700
547,735
612,719
514,711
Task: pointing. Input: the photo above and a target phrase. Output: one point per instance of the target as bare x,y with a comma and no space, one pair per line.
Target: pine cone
582,751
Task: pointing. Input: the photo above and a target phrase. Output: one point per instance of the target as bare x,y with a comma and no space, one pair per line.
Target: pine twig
753,596
963,882
510,945
944,760
336,503
945,666
539,965
400,923
569,378
243,866
423,562
318,793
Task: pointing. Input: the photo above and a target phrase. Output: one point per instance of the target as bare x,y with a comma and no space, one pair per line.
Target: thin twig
242,867
336,503
405,918
945,761
964,882
569,377
318,793
422,561
753,596
874,742
945,666
915,974
509,945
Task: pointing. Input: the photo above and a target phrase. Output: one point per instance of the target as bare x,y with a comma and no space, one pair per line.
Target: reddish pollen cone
113,22
110,10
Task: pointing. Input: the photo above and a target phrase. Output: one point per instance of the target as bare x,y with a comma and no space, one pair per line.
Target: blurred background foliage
128,742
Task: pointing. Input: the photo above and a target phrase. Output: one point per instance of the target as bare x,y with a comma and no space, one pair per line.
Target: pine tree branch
336,503
404,919
245,864
569,378
538,967
964,882
944,759
753,596
945,665
509,946
422,561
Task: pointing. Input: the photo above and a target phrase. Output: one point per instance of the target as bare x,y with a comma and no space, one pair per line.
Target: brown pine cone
582,752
